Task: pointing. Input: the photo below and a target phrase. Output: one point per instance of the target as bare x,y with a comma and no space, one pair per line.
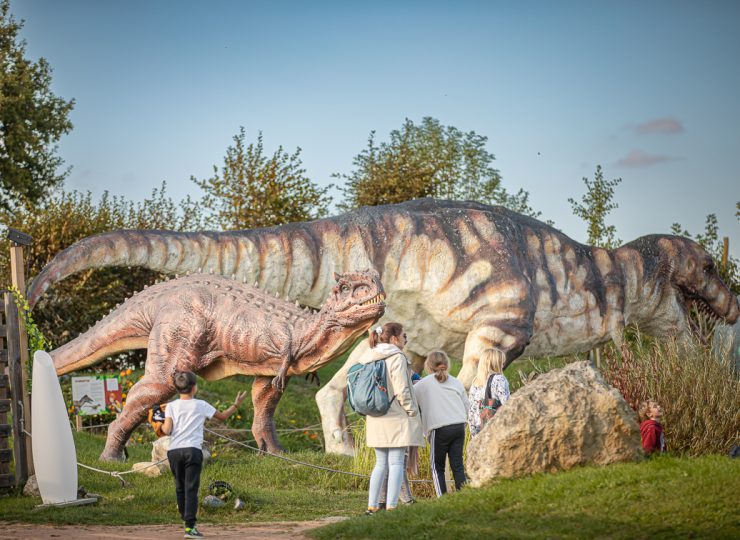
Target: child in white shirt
184,419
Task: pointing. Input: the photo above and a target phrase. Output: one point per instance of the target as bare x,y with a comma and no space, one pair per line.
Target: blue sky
649,90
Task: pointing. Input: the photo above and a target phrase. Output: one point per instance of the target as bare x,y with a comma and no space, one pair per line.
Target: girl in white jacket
400,427
444,409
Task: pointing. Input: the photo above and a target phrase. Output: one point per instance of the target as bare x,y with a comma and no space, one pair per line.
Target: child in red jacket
651,430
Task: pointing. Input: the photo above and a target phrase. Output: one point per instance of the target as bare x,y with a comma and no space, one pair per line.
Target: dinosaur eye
345,289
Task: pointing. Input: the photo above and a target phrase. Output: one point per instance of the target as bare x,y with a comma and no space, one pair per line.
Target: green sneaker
192,532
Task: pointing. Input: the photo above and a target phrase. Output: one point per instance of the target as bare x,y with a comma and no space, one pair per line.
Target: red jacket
652,436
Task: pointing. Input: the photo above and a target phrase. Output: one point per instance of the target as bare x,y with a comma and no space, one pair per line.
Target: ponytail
383,334
438,363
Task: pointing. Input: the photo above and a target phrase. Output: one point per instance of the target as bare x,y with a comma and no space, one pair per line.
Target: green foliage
427,160
253,190
698,390
36,339
32,120
595,204
61,219
661,498
711,241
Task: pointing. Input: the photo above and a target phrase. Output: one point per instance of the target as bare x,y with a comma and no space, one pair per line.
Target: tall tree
253,190
32,120
595,205
427,160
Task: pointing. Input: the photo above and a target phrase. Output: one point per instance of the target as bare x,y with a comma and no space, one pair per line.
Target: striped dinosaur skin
460,276
216,327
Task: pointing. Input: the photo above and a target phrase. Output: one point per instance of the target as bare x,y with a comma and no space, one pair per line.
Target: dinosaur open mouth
704,308
378,298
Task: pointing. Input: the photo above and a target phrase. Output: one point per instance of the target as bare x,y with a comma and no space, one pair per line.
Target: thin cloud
668,126
638,158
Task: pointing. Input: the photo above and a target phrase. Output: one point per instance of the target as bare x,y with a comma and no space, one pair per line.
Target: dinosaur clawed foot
313,377
112,455
279,383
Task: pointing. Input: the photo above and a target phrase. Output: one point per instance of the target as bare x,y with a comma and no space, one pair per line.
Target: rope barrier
291,460
118,474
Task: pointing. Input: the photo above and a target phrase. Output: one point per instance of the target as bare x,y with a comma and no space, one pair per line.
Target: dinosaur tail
266,256
121,330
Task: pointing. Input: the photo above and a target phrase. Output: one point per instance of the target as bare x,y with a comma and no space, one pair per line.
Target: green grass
666,497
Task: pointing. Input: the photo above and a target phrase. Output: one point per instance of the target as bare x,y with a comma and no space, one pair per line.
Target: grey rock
211,501
565,418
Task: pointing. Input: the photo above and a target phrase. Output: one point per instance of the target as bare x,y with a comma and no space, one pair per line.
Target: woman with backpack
400,427
490,389
444,410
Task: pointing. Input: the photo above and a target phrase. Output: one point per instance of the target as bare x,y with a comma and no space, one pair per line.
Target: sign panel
96,394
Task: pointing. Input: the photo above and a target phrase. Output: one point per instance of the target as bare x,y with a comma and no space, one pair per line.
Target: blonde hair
643,411
490,361
438,363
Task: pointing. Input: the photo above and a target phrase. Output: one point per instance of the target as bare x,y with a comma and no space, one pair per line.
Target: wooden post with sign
725,251
19,362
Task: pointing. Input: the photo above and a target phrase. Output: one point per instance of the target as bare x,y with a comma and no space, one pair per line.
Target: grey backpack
367,388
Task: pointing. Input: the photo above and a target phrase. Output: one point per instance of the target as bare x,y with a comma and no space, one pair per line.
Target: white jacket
441,404
401,425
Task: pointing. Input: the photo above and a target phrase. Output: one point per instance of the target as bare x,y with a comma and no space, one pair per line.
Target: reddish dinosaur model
218,327
460,276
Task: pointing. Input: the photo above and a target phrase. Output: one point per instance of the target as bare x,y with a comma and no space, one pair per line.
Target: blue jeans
388,461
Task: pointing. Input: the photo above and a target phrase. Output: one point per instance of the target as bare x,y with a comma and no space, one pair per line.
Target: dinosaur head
357,299
689,279
696,281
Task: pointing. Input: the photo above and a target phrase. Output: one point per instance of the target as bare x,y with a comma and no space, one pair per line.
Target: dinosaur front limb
281,379
265,398
143,395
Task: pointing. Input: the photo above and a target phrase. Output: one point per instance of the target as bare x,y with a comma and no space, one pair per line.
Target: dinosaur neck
647,297
320,337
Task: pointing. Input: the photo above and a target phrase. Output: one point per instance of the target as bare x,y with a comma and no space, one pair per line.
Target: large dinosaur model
216,327
460,276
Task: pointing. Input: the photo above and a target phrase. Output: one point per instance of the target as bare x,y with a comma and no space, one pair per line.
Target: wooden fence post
17,390
18,279
7,479
725,251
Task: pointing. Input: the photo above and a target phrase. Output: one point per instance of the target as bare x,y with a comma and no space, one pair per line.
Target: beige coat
401,425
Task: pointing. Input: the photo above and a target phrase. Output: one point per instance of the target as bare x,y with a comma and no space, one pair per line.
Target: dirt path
257,531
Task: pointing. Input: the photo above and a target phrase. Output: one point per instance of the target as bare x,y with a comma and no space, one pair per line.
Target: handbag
489,405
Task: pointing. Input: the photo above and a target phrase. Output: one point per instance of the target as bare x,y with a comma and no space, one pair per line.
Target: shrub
698,390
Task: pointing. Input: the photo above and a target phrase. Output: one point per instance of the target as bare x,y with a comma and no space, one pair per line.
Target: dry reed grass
698,389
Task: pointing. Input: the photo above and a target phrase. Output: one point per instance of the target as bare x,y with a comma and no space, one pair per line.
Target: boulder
566,417
148,468
159,452
31,489
159,449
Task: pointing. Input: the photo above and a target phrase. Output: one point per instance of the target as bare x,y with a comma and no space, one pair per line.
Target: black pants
447,441
186,464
